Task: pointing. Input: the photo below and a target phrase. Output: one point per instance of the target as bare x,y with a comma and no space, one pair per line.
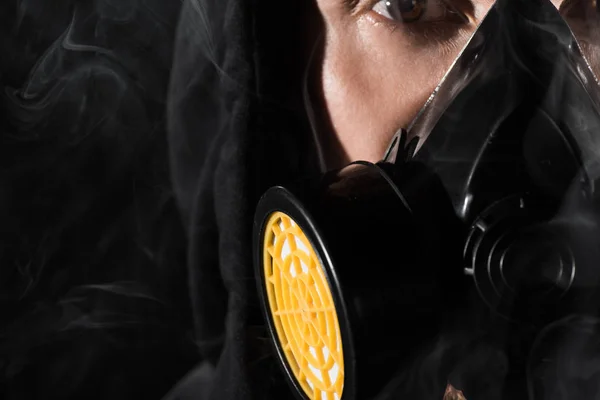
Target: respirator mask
486,201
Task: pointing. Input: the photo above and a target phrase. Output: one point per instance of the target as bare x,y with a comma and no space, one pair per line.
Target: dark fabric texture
93,299
135,138
238,73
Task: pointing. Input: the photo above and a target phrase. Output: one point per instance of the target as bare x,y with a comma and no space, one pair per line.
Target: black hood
135,139
237,125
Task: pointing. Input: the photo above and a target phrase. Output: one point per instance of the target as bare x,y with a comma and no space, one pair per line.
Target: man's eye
401,10
417,10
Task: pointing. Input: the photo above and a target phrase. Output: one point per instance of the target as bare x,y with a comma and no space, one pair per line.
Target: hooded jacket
136,137
237,126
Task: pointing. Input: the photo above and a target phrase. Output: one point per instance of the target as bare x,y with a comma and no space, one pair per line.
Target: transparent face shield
485,207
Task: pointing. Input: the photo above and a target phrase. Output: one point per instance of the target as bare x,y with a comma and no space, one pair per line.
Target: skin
377,72
584,21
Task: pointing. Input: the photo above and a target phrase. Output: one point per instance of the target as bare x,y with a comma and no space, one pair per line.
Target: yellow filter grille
302,309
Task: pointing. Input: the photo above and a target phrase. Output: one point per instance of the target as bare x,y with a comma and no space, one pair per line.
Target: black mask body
484,209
